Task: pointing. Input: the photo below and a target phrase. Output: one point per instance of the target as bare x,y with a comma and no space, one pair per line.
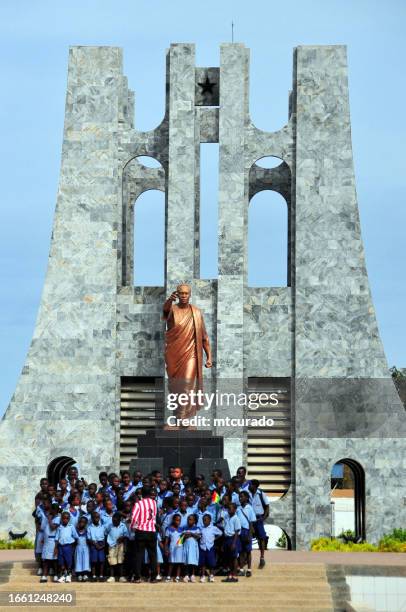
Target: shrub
398,534
392,542
20,543
348,536
282,541
337,545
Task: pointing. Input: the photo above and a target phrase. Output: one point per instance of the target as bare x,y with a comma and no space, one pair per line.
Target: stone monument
95,366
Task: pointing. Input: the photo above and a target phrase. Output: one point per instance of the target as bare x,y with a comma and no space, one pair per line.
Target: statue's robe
184,354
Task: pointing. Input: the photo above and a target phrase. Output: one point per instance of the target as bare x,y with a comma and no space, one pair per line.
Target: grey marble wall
66,399
94,326
336,334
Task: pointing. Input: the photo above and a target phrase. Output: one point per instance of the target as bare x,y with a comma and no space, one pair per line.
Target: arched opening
348,500
148,161
268,162
267,240
278,539
58,468
149,239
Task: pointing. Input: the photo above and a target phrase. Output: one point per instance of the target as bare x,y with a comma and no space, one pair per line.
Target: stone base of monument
196,452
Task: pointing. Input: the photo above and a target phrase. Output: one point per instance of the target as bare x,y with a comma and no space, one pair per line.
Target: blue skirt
82,559
176,554
38,541
48,549
191,552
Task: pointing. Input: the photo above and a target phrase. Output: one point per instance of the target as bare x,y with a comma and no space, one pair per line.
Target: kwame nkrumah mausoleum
93,382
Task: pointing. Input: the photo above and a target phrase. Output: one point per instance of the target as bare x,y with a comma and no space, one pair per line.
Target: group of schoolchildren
84,530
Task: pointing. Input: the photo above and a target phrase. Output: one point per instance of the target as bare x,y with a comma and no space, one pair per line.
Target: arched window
149,239
267,240
348,498
58,468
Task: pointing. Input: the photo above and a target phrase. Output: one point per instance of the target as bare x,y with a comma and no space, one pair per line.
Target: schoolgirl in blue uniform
174,548
166,517
40,513
49,557
90,507
232,528
223,511
247,518
96,533
74,509
65,538
201,511
191,534
163,493
207,551
63,488
113,490
126,485
192,502
183,513
89,494
82,556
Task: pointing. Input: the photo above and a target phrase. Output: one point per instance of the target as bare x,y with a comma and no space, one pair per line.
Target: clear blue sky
34,41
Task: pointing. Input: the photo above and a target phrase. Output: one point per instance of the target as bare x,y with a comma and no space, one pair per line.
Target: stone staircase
278,587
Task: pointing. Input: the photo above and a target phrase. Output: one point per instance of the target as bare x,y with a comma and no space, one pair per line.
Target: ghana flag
215,498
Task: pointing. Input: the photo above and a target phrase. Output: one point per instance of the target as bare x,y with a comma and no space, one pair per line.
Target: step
303,589
232,597
202,607
261,581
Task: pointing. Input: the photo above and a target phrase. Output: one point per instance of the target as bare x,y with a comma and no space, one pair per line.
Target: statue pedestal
193,451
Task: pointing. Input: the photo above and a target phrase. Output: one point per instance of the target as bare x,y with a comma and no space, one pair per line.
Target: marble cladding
94,326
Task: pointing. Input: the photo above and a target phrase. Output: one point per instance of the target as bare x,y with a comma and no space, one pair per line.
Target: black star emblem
207,86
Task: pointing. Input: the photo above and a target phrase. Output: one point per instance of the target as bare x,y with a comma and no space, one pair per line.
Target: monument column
233,204
182,165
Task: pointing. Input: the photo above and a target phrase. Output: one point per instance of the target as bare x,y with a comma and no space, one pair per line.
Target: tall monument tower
89,386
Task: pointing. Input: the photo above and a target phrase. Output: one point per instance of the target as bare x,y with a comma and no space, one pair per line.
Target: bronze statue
185,340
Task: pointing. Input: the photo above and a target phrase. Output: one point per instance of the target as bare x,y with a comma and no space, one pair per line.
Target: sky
34,42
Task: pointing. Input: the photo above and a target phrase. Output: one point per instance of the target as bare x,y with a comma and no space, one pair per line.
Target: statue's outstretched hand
174,296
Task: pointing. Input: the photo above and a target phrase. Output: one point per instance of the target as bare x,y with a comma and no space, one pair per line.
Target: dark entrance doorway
58,468
348,476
